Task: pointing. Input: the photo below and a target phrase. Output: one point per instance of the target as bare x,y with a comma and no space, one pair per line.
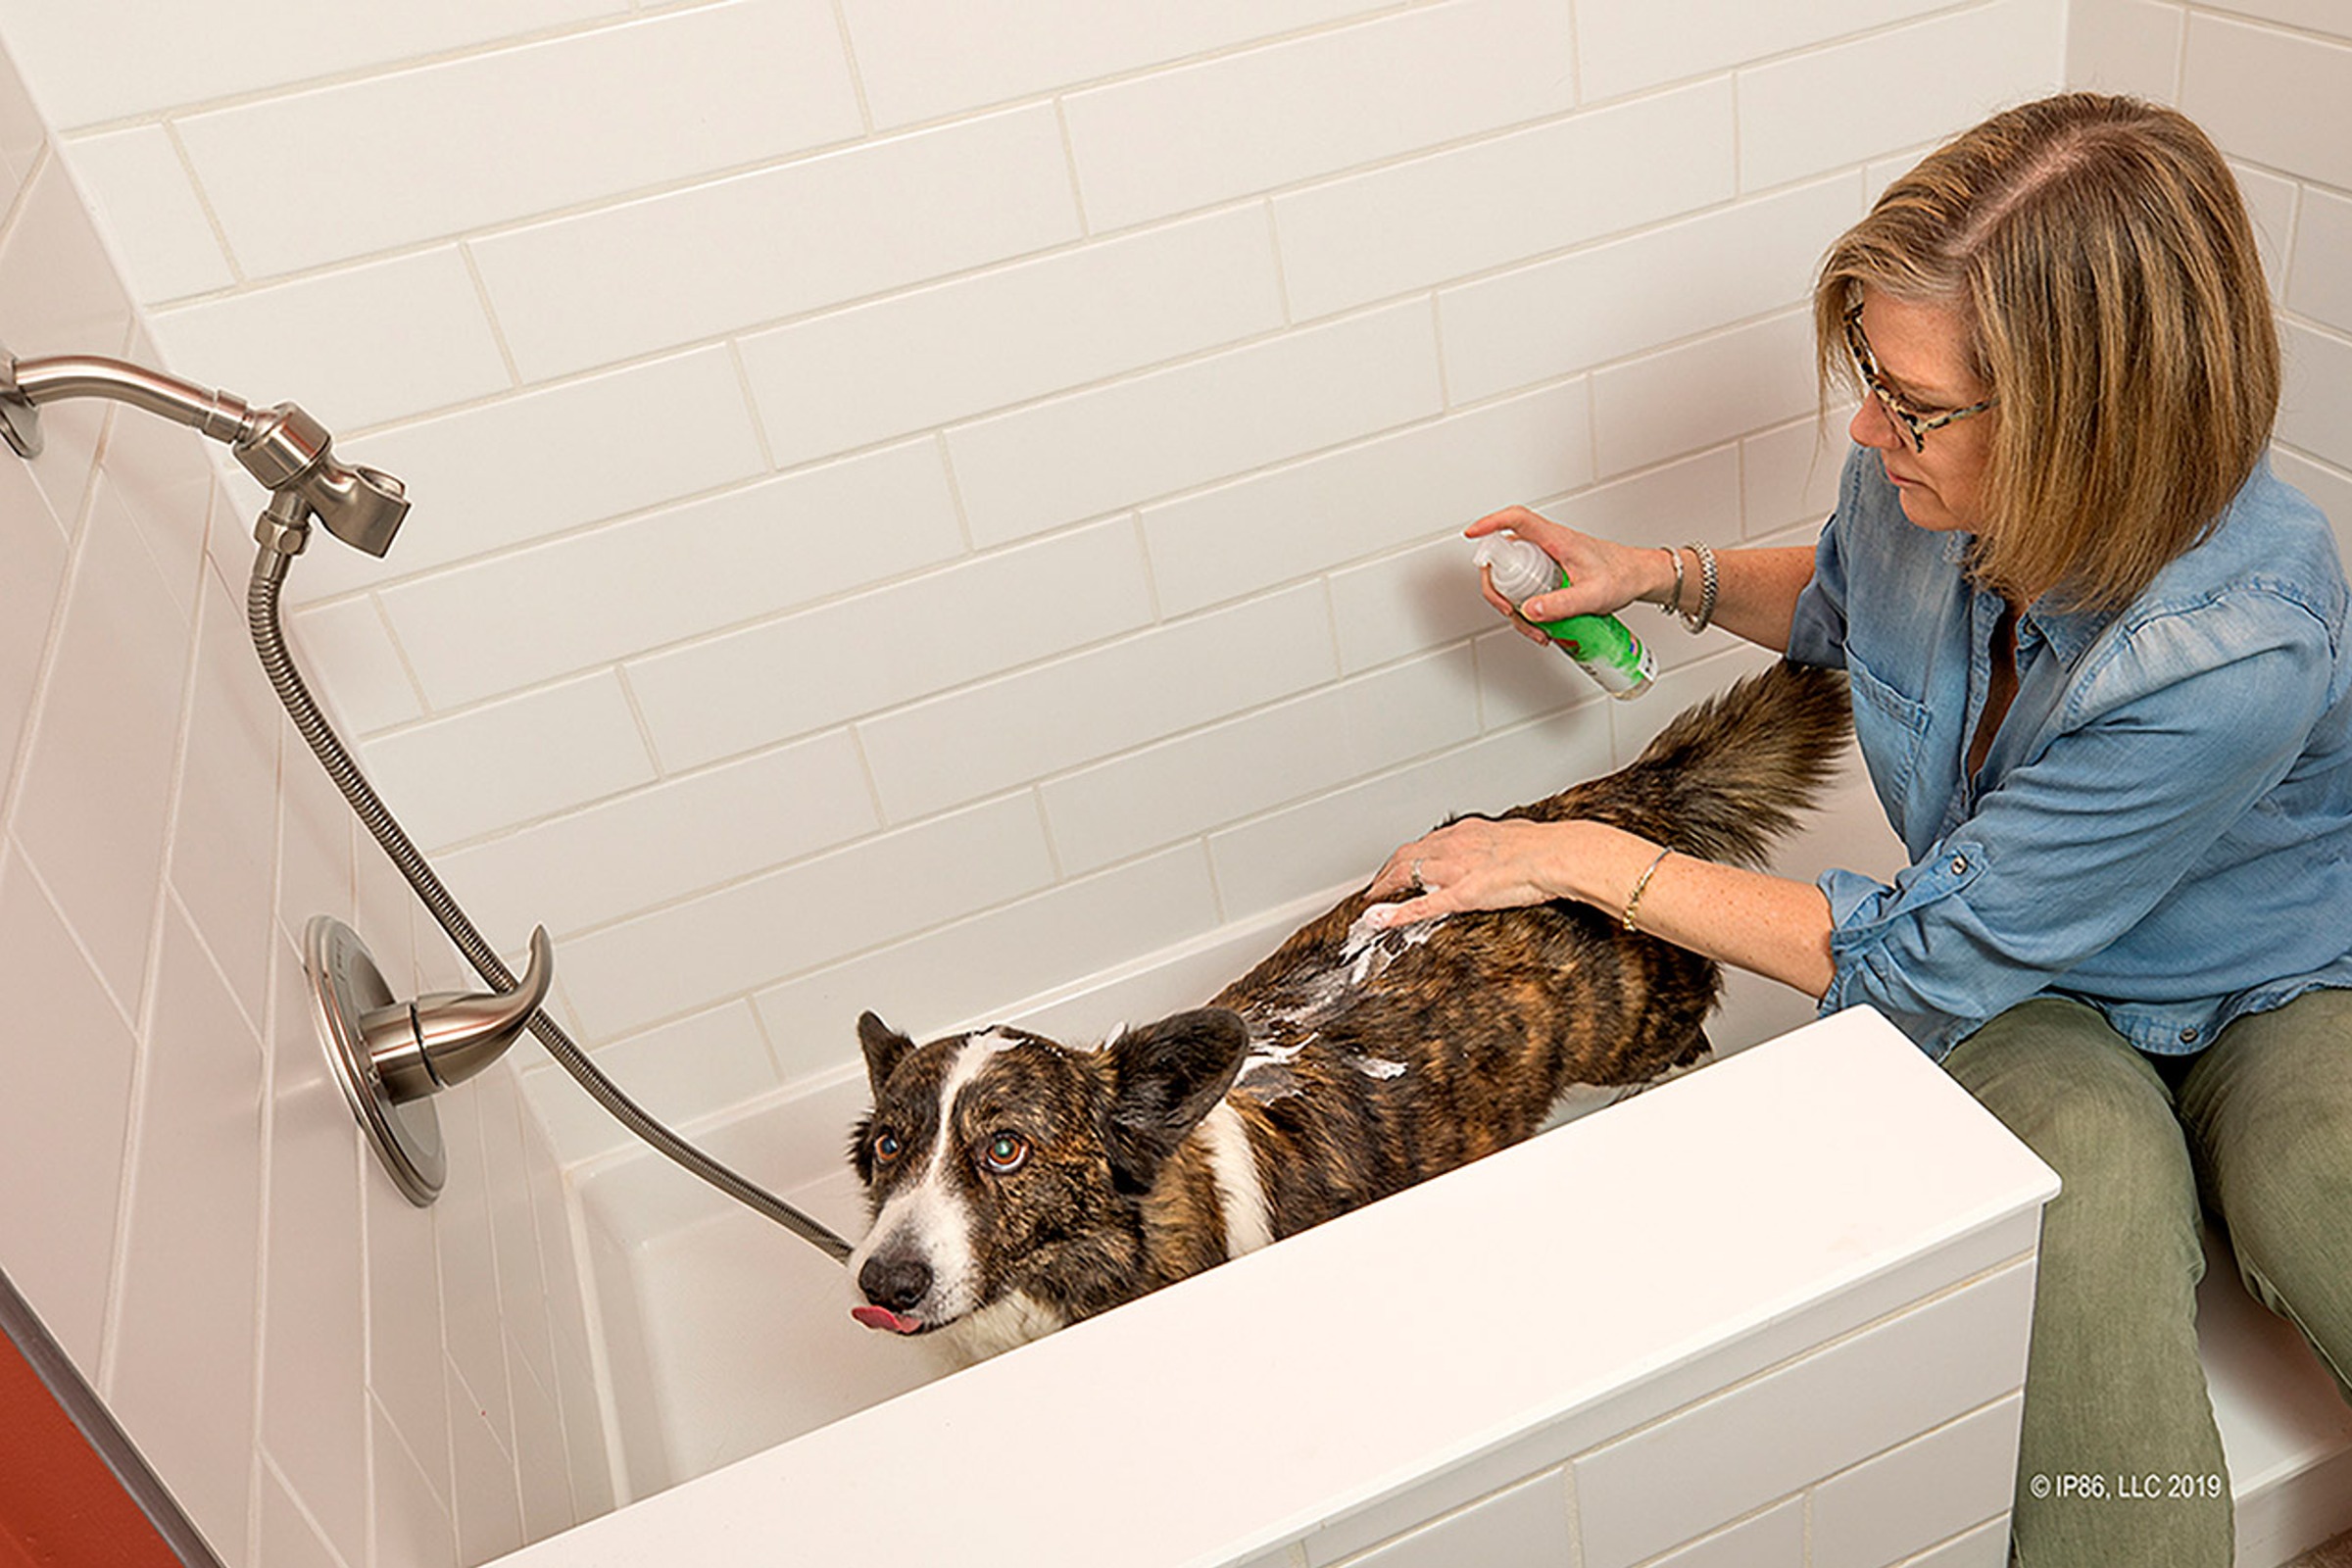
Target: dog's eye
1006,1154
886,1147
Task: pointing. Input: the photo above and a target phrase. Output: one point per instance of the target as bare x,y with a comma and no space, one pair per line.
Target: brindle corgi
1018,1185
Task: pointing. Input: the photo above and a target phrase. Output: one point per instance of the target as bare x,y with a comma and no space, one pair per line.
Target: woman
2099,678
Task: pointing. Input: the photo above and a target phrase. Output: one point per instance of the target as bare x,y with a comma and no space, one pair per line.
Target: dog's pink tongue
882,1317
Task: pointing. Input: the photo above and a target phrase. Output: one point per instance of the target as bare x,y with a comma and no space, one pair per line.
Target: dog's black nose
897,1283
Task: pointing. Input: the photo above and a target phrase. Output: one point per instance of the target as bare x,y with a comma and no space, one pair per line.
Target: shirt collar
2069,632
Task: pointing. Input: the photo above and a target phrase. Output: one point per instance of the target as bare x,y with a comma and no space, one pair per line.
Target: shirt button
2188,1036
1959,865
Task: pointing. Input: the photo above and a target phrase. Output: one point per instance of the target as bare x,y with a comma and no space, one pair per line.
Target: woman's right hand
1604,576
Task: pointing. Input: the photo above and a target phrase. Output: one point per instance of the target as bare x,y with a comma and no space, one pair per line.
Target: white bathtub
1750,1308
1703,1319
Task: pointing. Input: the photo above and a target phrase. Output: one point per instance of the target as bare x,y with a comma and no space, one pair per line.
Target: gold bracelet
1633,900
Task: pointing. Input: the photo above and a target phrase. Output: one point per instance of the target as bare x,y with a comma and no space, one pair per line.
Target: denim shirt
2163,824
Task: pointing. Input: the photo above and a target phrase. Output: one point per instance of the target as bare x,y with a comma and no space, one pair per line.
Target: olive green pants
2120,1463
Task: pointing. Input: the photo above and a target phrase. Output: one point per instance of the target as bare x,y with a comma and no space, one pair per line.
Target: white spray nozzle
1519,567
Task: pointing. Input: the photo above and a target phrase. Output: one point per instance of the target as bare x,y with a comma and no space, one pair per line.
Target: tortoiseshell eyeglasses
1912,421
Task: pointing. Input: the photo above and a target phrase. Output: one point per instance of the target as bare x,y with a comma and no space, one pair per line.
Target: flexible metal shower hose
269,640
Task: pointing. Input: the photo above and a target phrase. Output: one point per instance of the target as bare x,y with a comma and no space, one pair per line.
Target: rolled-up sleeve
1817,631
2184,723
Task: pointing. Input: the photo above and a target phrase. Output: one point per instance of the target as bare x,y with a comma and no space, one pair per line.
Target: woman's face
1922,356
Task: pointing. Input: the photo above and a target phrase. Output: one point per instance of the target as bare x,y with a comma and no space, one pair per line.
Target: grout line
281,952
645,738
268,1463
751,407
2338,468
148,1005
2230,15
1142,546
972,549
40,888
2290,241
1339,677
1070,156
498,329
15,769
400,650
1576,53
1282,276
849,54
873,790
2341,336
359,74
2187,16
1740,460
1576,1514
760,1031
204,203
1045,831
265,1166
41,158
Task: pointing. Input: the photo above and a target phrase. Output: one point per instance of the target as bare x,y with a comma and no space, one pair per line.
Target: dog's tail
1728,775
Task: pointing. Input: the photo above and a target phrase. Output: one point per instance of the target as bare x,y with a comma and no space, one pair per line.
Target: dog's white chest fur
1241,1196
1003,1325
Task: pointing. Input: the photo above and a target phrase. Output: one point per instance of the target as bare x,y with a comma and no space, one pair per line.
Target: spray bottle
1601,644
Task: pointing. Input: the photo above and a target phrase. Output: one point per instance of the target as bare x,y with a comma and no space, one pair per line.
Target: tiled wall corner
254,1301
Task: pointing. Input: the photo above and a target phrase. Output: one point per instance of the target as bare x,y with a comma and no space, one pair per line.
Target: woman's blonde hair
2100,253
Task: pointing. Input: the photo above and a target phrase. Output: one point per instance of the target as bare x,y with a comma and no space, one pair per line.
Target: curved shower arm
282,446
223,416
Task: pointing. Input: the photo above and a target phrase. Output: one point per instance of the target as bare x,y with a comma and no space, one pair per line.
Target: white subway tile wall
410,335
576,119
1741,1449
1916,1474
299,1351
916,503
837,430
931,356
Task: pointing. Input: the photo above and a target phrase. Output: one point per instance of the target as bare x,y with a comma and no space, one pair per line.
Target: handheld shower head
290,452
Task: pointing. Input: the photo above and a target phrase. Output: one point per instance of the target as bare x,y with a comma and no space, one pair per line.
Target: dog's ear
884,1045
1166,1076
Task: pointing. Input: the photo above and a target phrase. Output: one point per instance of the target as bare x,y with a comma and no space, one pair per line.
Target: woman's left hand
1476,864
